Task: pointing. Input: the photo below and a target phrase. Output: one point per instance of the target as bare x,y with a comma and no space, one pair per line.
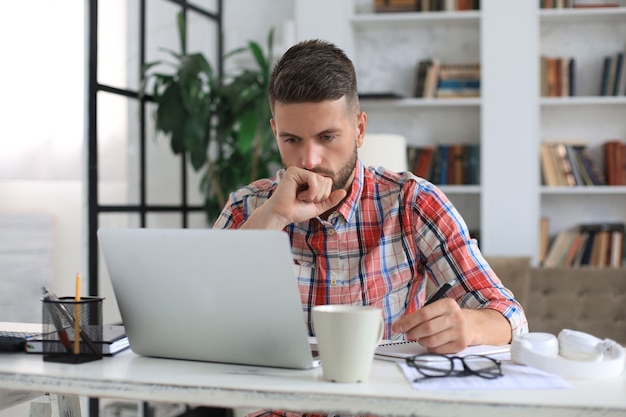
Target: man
366,236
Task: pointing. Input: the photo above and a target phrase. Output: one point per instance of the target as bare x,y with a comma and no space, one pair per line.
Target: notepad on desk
114,340
396,351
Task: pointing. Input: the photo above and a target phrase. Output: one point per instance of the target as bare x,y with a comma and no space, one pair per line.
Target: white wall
247,20
41,152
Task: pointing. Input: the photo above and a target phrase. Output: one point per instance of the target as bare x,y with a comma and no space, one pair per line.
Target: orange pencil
77,317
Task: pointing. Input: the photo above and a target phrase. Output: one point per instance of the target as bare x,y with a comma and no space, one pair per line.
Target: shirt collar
348,207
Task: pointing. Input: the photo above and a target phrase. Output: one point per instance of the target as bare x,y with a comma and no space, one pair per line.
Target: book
559,248
591,167
393,6
398,351
420,76
604,81
616,246
114,340
573,250
544,238
613,162
549,169
432,78
564,164
617,81
442,163
588,4
610,82
581,249
572,77
423,162
473,165
453,88
600,248
575,165
590,231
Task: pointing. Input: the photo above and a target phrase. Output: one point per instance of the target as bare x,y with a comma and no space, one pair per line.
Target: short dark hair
313,71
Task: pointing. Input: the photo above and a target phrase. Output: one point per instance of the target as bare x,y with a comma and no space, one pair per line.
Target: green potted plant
220,121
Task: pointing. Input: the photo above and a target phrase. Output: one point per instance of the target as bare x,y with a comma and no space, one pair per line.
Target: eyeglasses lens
483,366
436,365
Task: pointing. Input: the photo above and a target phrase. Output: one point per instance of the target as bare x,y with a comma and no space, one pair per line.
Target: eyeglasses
434,365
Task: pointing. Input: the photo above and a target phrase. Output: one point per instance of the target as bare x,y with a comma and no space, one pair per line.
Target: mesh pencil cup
68,341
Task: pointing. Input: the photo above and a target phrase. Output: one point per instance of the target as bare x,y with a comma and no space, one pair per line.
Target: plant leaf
247,130
182,32
257,53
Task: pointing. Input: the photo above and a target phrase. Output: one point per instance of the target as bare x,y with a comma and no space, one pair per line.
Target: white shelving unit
386,48
386,55
510,120
588,35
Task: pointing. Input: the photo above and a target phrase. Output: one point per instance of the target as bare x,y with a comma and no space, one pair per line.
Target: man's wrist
264,218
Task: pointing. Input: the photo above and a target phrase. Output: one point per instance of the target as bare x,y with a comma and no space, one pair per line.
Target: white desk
128,376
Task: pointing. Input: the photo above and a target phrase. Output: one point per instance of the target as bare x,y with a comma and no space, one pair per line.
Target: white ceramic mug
347,336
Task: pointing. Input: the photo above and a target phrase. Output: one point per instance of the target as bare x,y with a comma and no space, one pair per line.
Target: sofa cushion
591,300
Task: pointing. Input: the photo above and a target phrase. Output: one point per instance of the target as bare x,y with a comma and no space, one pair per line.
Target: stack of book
615,162
457,164
395,6
576,4
599,245
612,75
557,76
458,81
569,165
434,79
425,5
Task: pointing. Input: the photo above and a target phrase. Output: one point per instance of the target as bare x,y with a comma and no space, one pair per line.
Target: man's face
320,137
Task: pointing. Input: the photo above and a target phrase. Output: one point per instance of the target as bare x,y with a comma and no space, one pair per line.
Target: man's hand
444,327
300,196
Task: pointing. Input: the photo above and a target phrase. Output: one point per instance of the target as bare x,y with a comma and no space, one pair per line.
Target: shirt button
331,232
333,282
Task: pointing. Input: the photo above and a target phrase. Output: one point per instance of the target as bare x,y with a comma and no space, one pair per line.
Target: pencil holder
72,341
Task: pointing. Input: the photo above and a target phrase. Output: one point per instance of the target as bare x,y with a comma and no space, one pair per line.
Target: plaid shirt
391,233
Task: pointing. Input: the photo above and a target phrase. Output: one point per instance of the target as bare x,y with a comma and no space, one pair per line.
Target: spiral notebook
397,351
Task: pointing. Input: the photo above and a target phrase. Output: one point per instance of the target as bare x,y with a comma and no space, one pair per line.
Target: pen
65,340
441,291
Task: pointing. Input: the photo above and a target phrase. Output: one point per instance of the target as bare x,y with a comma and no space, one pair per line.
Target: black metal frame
143,208
94,87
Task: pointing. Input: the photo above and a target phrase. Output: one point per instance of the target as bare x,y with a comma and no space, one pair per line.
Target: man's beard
340,179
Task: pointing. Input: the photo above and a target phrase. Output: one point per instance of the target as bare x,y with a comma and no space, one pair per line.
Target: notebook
226,296
14,335
29,337
114,340
399,351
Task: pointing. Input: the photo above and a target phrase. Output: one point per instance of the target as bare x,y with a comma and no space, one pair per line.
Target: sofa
591,300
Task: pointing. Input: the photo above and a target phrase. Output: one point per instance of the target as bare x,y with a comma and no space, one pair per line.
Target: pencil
77,316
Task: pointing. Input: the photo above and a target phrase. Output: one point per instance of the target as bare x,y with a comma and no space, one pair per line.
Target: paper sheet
514,377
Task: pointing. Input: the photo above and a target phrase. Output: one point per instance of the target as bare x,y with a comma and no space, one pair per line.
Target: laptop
226,296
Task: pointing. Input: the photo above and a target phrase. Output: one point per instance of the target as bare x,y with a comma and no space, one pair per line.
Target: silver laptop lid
209,295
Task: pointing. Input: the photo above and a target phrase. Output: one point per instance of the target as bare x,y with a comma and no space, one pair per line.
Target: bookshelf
587,35
386,55
510,119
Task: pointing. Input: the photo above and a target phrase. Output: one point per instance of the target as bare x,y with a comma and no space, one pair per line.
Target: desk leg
52,405
10,398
